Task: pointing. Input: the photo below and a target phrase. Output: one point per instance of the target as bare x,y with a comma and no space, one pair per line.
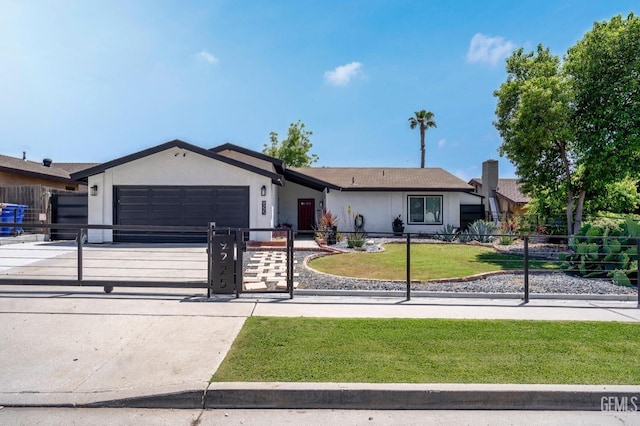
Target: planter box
275,243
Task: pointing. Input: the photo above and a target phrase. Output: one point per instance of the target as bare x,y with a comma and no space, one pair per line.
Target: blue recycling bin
11,213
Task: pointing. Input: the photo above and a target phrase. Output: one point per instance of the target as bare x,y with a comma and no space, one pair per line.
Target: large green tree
294,150
573,128
533,117
605,72
422,119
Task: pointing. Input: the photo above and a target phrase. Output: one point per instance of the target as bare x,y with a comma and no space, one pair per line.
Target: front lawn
428,261
432,351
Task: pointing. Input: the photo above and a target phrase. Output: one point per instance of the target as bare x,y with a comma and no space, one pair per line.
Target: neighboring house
20,172
32,184
177,183
509,199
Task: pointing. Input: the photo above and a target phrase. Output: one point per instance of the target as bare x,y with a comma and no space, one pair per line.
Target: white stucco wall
380,208
179,167
288,202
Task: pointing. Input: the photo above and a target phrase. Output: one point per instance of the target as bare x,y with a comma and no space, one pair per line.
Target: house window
425,209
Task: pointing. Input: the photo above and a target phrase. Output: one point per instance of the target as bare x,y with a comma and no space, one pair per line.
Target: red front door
306,214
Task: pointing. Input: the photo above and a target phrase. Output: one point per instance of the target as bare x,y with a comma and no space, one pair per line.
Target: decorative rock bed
501,282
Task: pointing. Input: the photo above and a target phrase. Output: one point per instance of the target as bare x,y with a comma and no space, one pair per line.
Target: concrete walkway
159,348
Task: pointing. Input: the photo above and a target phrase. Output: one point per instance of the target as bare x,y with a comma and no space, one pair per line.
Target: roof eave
308,181
37,175
84,174
277,163
408,189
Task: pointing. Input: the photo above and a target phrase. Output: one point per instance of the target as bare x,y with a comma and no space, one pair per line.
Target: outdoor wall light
263,190
94,190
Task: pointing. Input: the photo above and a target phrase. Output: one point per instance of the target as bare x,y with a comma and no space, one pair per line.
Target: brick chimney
489,184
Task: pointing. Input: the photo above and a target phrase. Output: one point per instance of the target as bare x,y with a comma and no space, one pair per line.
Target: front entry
306,214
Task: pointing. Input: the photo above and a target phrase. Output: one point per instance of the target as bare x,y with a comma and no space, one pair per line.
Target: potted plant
329,226
398,226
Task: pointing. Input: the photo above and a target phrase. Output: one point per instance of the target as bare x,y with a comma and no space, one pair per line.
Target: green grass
428,261
432,351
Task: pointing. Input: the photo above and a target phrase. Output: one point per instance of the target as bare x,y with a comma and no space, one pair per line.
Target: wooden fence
35,197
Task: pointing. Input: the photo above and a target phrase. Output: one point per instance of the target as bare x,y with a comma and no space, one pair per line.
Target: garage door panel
179,206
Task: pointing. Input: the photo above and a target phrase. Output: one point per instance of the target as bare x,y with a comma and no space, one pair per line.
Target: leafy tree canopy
294,150
573,128
605,70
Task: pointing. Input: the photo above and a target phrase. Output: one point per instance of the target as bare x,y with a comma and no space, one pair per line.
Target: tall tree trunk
422,149
577,224
569,211
570,195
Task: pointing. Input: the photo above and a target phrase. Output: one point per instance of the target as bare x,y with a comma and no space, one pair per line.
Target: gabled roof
381,179
249,156
509,189
34,169
84,174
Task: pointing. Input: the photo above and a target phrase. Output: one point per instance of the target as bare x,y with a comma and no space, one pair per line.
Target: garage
227,206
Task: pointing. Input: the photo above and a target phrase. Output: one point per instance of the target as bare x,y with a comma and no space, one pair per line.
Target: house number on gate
223,263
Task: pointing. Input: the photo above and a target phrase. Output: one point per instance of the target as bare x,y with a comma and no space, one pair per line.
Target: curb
390,397
464,295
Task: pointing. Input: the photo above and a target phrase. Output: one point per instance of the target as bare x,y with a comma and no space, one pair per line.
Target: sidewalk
159,348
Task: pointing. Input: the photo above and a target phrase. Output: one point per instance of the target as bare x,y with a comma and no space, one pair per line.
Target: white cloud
207,57
442,143
489,50
342,75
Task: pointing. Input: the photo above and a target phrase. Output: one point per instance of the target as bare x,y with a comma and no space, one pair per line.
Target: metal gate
222,266
68,208
229,259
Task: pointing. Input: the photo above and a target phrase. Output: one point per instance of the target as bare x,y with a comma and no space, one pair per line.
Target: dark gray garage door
179,206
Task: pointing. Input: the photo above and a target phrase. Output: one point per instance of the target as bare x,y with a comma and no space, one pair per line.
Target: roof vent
47,162
24,155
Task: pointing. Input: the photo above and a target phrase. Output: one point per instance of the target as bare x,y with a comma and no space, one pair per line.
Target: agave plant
449,233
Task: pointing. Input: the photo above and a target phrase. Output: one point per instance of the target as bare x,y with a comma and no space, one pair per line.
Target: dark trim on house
276,179
309,182
277,163
386,189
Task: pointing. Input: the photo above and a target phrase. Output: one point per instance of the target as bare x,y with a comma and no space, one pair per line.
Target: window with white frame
425,209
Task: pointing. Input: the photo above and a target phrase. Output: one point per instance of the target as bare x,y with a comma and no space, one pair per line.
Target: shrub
480,230
605,251
449,233
356,239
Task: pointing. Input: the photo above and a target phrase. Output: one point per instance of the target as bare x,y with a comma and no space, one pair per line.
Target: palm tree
425,120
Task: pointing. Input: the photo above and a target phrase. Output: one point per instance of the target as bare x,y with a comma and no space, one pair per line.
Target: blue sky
93,80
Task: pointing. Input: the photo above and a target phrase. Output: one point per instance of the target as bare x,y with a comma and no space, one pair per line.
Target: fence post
290,254
408,266
526,269
638,271
238,272
209,262
79,244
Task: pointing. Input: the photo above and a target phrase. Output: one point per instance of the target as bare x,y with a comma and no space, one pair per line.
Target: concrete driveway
70,347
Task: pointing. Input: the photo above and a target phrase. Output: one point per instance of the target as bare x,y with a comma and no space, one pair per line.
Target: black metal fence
268,266
184,262
605,264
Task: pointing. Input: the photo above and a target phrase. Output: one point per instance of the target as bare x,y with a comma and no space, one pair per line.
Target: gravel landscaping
546,282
